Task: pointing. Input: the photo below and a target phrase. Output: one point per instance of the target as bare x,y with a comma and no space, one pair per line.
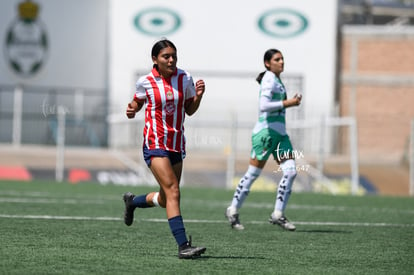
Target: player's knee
289,170
173,192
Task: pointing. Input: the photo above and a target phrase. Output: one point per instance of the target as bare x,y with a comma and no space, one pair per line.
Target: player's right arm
139,98
267,86
266,103
133,107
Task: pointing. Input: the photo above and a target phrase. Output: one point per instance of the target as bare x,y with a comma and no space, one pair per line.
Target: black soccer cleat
233,219
282,222
187,251
129,208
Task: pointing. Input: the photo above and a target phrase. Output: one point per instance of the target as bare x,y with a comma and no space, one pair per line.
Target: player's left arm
192,104
294,101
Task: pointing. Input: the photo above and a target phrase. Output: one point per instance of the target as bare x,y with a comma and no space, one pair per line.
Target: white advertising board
224,42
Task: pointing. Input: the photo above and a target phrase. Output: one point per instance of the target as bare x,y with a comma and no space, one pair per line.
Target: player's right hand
130,111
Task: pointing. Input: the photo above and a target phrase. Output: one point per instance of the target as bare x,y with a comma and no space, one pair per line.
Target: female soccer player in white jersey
169,94
269,137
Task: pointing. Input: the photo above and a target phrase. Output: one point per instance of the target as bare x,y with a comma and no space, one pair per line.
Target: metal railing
28,115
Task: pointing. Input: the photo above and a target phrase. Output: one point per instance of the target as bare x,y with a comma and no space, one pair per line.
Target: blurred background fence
28,115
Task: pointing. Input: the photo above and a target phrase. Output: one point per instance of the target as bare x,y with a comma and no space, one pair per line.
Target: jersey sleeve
140,92
267,103
267,85
190,88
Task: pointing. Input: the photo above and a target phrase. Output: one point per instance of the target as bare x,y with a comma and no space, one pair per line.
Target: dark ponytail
260,77
267,57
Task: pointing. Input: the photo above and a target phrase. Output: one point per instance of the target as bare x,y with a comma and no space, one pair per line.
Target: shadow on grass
207,257
325,231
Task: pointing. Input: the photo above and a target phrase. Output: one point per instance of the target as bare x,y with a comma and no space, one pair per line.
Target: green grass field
59,228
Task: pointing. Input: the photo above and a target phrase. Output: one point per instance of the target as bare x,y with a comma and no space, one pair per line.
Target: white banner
224,42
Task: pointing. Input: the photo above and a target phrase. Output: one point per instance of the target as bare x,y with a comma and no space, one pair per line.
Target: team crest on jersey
169,108
280,87
170,95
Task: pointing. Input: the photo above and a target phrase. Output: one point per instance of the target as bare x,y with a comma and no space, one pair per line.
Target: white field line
50,201
191,202
24,194
49,217
46,197
84,218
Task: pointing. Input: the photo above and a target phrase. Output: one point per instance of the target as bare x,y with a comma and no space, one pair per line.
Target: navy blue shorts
174,157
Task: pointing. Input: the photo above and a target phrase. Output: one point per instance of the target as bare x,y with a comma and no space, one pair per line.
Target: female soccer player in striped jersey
269,137
169,94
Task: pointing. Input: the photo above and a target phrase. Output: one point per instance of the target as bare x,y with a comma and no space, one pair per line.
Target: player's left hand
297,98
200,87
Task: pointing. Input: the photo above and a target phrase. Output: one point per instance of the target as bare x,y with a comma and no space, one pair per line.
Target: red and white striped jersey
164,111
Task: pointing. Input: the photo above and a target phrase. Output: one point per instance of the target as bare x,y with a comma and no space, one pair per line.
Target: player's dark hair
267,57
161,44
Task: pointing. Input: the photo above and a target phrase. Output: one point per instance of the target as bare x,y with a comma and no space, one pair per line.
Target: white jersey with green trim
273,89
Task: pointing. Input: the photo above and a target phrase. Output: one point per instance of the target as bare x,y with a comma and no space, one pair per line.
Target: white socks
283,191
245,183
285,186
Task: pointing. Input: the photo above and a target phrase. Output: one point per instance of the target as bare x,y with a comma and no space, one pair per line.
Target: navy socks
176,223
178,230
141,201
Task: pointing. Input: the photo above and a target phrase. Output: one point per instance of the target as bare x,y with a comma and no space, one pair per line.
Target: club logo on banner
26,41
282,23
157,21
